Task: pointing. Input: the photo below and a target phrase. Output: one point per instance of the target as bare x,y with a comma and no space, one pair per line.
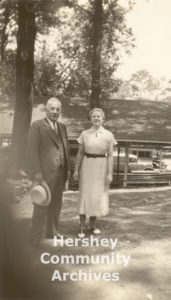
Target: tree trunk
96,55
24,81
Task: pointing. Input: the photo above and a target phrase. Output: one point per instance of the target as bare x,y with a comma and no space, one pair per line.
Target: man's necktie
55,127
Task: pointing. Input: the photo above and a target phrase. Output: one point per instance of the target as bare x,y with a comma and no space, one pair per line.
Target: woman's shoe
81,234
95,230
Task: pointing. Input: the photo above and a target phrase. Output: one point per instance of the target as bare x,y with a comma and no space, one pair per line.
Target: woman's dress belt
94,155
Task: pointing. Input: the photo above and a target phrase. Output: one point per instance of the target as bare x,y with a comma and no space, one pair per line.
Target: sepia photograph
85,149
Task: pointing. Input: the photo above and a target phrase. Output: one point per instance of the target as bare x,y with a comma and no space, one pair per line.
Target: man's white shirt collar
51,123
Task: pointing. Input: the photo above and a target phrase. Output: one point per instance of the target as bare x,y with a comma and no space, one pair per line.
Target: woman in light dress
94,168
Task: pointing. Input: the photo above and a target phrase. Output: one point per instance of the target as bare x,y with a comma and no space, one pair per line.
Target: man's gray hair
52,100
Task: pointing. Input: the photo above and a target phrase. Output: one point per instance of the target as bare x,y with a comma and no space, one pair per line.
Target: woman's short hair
96,109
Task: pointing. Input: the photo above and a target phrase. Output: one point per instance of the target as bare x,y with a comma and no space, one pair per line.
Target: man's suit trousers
49,214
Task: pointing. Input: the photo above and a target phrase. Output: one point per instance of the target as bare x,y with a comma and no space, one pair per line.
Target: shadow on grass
133,217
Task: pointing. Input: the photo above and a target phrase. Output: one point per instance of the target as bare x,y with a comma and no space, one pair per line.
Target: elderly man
48,154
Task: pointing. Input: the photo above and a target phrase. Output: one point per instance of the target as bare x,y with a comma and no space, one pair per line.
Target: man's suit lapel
50,131
63,135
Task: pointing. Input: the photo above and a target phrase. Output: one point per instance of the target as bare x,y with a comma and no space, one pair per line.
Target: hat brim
48,192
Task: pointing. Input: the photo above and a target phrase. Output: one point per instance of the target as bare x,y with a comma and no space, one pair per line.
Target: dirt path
140,220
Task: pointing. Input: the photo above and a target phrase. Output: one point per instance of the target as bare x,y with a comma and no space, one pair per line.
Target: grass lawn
140,220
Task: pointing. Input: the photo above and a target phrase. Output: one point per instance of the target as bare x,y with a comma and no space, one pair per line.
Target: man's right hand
38,178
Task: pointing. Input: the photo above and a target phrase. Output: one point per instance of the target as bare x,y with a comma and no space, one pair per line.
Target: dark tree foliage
7,24
84,61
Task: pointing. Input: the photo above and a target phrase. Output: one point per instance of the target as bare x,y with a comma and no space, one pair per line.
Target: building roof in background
129,120
140,120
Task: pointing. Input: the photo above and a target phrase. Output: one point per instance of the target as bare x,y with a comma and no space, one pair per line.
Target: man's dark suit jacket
43,151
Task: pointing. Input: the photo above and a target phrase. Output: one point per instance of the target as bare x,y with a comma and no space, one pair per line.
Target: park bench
148,182
144,179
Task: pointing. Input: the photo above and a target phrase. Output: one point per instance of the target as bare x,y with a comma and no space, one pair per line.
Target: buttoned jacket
43,150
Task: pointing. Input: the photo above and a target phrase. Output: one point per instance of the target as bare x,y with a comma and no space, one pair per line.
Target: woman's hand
76,175
109,179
